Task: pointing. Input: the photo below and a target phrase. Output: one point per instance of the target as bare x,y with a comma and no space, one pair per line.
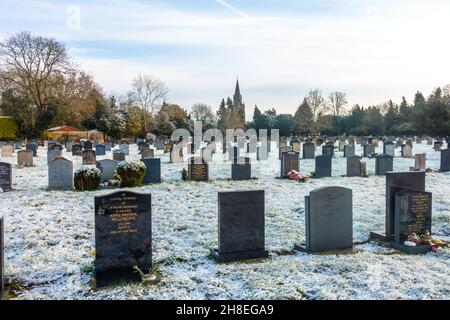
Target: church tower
238,103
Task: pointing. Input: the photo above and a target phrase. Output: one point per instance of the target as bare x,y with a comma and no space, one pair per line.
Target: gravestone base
411,250
7,286
381,236
302,248
238,256
116,277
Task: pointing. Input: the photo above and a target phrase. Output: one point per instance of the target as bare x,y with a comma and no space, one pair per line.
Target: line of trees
41,87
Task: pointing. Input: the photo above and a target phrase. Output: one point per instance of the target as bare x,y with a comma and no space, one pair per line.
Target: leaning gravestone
349,150
77,150
413,211
383,164
198,170
5,176
323,167
395,181
309,151
108,168
60,174
328,220
24,158
123,237
241,226
445,160
100,150
153,172
33,147
289,161
118,155
89,158
53,154
241,169
354,166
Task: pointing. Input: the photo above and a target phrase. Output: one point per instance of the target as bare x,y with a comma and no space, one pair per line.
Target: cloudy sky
373,50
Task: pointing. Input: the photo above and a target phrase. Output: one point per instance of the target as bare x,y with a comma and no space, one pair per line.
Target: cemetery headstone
354,166
118,155
349,150
60,174
147,153
368,150
445,160
198,170
328,220
413,210
153,172
383,164
328,150
323,167
24,158
100,150
125,148
420,161
289,161
395,181
52,154
4,282
33,147
309,151
283,149
77,150
123,237
389,149
89,158
108,146
108,168
241,226
87,145
406,151
5,176
241,169
7,150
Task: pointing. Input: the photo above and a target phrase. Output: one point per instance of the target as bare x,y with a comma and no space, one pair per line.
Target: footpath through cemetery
294,218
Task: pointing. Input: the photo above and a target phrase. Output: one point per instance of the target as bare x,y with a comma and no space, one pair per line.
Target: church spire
237,92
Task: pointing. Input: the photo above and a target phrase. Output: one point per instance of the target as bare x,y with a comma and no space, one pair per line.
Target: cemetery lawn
50,248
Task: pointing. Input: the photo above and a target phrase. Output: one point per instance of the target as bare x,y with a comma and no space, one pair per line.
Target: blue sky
373,50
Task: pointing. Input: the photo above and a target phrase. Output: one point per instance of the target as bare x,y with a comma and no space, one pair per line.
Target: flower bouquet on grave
295,175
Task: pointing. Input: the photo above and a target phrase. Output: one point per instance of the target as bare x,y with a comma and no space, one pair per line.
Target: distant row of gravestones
123,225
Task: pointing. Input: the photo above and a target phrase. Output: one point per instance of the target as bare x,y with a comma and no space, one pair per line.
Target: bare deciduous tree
337,102
317,104
202,112
148,93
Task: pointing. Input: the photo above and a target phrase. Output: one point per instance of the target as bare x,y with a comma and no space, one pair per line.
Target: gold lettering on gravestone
419,208
124,214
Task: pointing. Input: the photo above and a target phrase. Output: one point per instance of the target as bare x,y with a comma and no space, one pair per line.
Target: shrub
184,175
8,128
131,173
87,179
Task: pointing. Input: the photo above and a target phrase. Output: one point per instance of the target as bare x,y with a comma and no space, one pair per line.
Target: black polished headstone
153,172
383,164
323,167
328,220
77,150
123,237
198,170
445,160
395,181
100,150
241,226
309,151
5,176
241,169
87,145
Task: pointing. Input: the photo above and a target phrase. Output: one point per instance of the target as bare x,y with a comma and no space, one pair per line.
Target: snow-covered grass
50,238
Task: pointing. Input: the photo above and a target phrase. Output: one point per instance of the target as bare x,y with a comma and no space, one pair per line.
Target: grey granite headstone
100,150
153,172
5,176
147,153
33,147
7,150
328,150
445,160
60,174
383,164
108,168
328,220
395,181
241,169
241,226
108,146
354,166
289,161
323,167
123,237
89,158
389,149
368,150
24,158
118,155
309,151
349,150
52,154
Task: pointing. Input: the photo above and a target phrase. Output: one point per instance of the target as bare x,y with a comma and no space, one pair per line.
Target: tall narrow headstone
241,226
4,282
328,220
123,237
5,176
420,161
354,166
445,160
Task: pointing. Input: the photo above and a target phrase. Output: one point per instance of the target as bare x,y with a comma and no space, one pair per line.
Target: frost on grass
50,244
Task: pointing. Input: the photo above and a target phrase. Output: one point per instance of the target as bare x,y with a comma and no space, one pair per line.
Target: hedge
8,128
